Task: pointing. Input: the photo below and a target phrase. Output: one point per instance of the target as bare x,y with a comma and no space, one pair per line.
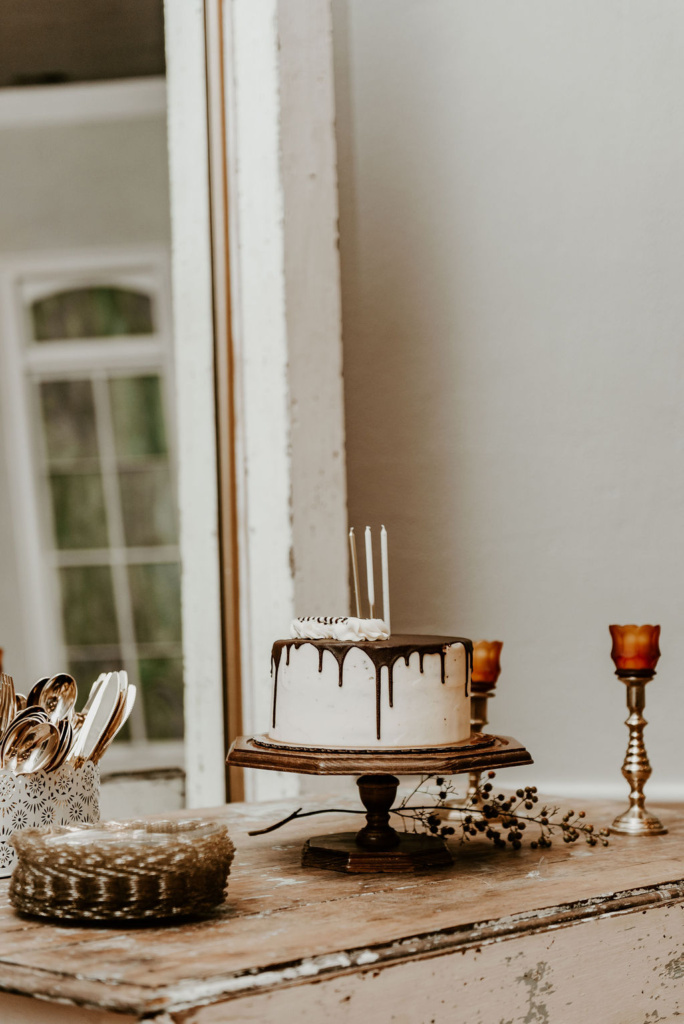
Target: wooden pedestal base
341,852
377,846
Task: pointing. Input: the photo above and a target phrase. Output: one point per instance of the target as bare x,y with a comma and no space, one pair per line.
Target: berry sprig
502,819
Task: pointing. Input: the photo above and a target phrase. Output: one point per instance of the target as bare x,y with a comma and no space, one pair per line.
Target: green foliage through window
95,312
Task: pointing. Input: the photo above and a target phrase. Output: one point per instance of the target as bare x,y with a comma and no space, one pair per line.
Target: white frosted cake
344,682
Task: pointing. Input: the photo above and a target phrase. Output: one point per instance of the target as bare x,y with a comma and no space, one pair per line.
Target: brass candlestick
486,671
635,653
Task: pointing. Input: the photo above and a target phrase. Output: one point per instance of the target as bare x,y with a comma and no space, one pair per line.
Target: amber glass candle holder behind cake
486,671
483,679
635,654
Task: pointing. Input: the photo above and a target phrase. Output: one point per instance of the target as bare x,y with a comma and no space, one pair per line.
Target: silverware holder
67,796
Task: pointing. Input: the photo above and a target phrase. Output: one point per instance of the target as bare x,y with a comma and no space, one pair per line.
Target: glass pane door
111,517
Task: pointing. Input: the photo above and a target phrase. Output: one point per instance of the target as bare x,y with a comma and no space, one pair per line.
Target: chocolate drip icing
383,654
390,680
275,665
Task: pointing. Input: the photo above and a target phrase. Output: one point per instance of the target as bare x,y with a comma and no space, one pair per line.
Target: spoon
99,715
66,735
35,691
58,696
79,717
29,746
27,715
119,718
21,702
128,707
38,713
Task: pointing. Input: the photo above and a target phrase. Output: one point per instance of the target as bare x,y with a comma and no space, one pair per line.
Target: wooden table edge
192,994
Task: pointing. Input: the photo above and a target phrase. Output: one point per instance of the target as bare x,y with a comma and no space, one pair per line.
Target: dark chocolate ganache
383,654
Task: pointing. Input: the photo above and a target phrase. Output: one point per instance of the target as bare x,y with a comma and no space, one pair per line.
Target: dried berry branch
299,813
501,819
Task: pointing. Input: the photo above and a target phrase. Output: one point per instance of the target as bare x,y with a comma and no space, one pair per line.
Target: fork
7,701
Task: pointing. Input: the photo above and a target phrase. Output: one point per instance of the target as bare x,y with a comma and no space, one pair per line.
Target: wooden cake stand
377,846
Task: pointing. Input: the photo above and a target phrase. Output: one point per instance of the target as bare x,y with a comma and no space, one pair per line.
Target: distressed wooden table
560,936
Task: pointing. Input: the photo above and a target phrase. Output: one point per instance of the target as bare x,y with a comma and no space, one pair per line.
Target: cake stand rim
475,741
455,759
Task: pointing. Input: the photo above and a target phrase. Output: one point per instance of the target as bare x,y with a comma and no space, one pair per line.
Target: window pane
68,419
138,416
78,510
162,691
148,509
88,605
91,313
155,595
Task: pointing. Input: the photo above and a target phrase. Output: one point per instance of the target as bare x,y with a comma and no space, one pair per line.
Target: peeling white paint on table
513,938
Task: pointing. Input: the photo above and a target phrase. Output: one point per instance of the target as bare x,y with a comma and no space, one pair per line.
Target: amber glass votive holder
635,653
635,648
486,665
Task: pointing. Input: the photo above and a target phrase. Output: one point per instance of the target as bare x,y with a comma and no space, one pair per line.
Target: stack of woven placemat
122,870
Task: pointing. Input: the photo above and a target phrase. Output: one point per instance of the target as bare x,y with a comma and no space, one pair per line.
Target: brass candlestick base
636,820
478,720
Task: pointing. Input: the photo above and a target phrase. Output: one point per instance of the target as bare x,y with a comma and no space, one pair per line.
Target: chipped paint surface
601,970
423,946
537,990
675,968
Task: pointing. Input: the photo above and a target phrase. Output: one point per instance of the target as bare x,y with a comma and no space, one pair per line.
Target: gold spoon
35,691
29,746
66,734
27,715
58,696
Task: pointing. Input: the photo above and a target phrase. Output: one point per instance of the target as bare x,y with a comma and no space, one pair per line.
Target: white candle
370,583
385,578
355,571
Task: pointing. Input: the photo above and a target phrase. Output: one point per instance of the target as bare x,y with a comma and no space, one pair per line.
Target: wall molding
127,99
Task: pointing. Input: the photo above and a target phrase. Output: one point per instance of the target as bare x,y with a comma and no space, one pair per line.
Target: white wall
512,224
72,186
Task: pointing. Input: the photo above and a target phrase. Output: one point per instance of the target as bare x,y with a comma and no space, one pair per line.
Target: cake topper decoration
342,628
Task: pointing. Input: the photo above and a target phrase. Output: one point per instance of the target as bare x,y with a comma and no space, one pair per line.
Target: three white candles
370,576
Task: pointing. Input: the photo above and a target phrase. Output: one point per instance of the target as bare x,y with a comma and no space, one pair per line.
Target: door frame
257,329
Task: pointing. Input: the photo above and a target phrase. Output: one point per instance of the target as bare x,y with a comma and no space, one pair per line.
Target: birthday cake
348,683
